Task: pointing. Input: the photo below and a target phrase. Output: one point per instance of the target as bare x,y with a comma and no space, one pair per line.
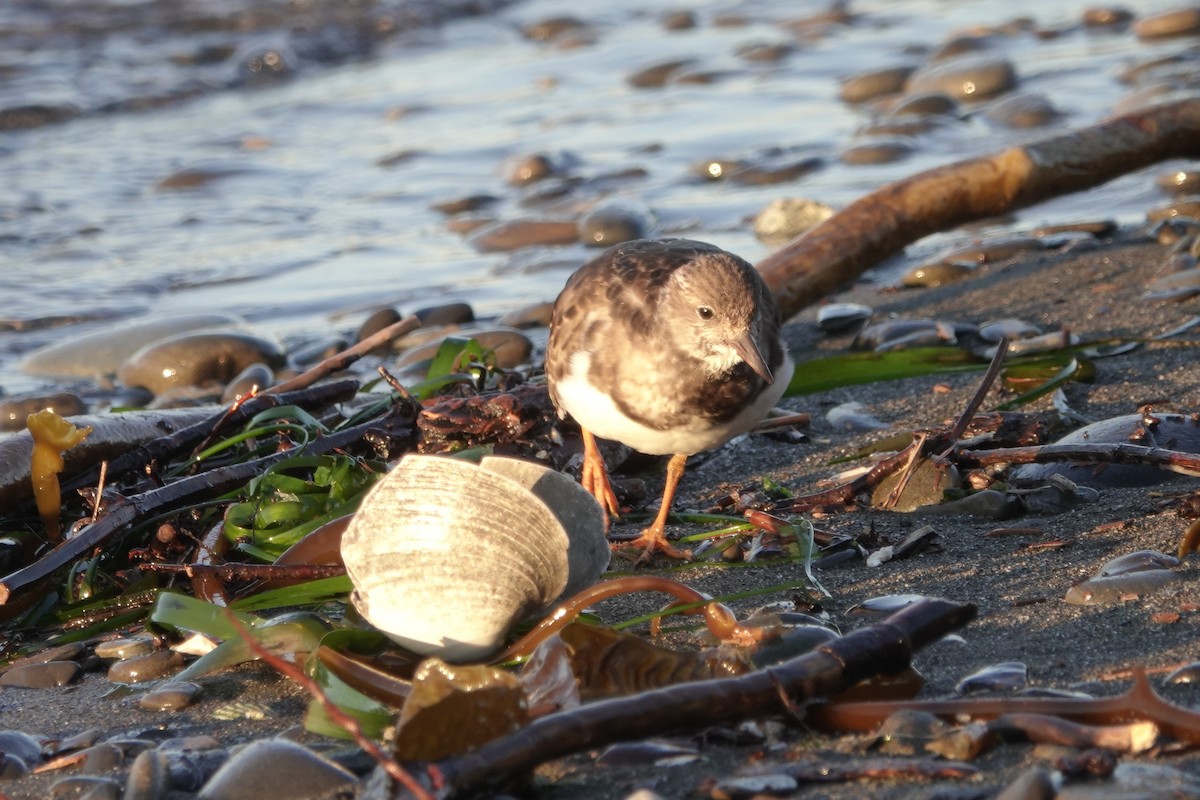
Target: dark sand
1018,589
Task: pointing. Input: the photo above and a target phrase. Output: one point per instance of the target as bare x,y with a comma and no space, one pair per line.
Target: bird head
724,314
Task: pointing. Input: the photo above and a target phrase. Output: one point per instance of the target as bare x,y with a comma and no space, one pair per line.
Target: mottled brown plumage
670,347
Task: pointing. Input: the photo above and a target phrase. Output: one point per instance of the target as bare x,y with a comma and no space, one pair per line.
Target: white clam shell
445,555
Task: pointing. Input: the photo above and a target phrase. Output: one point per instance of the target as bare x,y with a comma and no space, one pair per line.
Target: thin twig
345,358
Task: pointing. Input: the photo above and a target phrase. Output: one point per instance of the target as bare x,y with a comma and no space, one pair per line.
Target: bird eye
704,312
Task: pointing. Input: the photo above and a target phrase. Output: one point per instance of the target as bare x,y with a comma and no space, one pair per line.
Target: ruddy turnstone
670,347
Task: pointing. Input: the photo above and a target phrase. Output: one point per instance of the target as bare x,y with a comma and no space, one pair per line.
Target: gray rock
275,769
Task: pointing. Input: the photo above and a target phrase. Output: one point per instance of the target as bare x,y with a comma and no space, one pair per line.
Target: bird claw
653,541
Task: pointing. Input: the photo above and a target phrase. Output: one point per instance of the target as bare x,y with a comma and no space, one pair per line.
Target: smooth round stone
877,152
788,217
767,174
195,359
924,104
1104,16
149,667
101,353
532,168
613,222
679,20
553,28
275,769
875,83
62,652
657,75
445,314
149,777
1181,22
966,78
960,46
180,744
536,315
377,321
41,676
171,696
1187,206
101,758
1022,111
1179,181
255,376
763,52
85,787
513,235
462,205
14,411
511,348
928,276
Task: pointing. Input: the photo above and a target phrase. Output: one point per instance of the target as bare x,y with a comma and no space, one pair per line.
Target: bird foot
652,541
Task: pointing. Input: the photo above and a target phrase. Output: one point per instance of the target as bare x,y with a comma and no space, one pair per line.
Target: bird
669,346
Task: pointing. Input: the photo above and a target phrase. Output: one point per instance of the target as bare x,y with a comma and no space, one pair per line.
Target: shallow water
301,229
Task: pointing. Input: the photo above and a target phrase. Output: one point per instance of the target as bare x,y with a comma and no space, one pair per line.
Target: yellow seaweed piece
52,436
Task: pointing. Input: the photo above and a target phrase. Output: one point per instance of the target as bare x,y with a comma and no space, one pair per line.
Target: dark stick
1119,453
883,648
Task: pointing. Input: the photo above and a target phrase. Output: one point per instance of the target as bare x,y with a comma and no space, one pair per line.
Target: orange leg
594,477
653,539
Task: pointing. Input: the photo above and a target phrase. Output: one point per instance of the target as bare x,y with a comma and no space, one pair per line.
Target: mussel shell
445,556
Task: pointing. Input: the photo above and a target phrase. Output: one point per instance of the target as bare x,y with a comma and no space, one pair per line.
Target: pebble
764,52
657,75
197,178
149,777
515,234
1186,206
926,103
445,314
1181,22
170,696
1022,111
146,668
1035,783
767,174
195,359
788,217
275,769
1103,16
85,787
866,86
101,758
1179,181
256,377
41,676
679,20
532,168
101,353
939,273
15,410
881,151
535,315
461,205
966,78
1138,561
62,652
376,321
613,222
957,46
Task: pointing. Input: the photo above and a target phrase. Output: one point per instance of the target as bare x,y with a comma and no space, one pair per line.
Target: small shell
445,555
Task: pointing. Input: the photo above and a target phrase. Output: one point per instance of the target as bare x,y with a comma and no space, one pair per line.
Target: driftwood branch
883,648
1119,453
877,226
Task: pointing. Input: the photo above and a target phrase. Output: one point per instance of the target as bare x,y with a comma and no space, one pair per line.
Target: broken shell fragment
445,556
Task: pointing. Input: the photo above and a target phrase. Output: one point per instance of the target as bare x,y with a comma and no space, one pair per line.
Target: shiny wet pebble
658,75
101,758
1022,111
171,696
515,234
376,321
196,359
15,410
149,777
255,377
939,273
883,151
876,83
510,347
614,222
22,746
275,769
1179,181
966,77
1181,22
445,314
149,667
102,352
41,676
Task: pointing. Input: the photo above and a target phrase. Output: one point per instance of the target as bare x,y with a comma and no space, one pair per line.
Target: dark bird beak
747,348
